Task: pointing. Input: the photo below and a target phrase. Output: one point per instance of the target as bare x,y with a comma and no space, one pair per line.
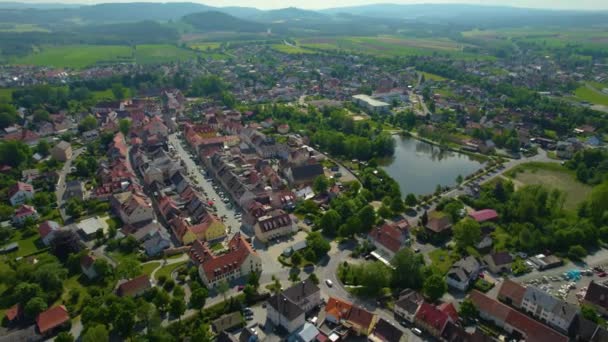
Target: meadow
390,46
592,93
81,56
552,176
290,49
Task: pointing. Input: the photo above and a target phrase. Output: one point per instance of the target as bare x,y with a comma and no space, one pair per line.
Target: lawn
20,28
592,95
6,94
554,176
443,259
167,270
150,54
27,245
77,56
108,95
147,268
205,46
432,77
72,283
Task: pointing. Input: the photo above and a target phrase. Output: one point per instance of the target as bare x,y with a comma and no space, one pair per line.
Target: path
61,182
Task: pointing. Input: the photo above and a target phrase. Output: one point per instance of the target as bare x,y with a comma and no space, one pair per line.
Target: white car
329,282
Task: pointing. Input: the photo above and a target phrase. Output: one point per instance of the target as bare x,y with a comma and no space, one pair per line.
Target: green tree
467,233
599,204
124,125
407,272
128,268
198,298
329,222
577,252
222,288
367,218
177,307
411,200
434,287
87,124
43,147
41,115
589,313
320,185
202,334
64,336
14,153
468,311
118,91
296,259
96,333
316,243
374,277
8,115
34,306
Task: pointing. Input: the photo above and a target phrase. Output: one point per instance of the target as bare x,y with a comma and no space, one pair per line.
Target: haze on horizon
321,4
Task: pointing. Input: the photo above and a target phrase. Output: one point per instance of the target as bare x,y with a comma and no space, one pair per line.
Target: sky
320,4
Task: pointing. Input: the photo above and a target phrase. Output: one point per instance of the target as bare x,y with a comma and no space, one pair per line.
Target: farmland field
389,46
81,56
552,176
433,77
77,56
205,46
291,49
21,28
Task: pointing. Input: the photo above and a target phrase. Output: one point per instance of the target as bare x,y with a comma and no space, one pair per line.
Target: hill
214,21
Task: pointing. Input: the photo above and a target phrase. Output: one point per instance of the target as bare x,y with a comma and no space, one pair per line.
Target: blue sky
318,4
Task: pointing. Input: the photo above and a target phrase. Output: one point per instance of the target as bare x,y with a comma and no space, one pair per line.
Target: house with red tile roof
511,293
87,265
432,319
14,313
209,229
484,215
135,286
350,316
136,209
51,319
513,321
20,192
239,261
388,238
274,224
23,213
47,230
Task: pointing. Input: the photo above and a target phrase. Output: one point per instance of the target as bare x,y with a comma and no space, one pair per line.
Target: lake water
419,166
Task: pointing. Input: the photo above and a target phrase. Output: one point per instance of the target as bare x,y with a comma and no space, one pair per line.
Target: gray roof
285,307
301,290
306,171
308,332
551,304
409,300
463,268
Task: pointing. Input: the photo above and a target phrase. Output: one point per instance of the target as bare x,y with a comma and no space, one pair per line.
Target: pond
419,166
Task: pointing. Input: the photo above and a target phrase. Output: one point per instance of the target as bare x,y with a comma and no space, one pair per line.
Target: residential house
62,151
275,224
14,313
511,293
388,239
20,192
51,319
307,333
284,313
136,209
463,273
589,331
484,215
134,287
499,262
87,265
384,331
227,321
75,189
439,226
597,297
47,230
512,321
546,308
360,321
239,261
304,174
431,319
23,213
209,229
304,294
407,305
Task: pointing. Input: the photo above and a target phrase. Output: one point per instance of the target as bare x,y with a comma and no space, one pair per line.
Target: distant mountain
214,21
24,5
289,14
137,11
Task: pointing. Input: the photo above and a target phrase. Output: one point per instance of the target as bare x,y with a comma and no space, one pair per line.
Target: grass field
205,46
80,56
6,94
22,28
293,50
443,259
432,77
553,176
150,54
167,270
390,46
149,267
591,94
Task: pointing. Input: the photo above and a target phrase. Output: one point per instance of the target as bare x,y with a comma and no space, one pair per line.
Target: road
194,172
337,255
63,174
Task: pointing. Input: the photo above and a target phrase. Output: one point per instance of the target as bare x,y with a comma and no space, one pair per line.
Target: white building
371,104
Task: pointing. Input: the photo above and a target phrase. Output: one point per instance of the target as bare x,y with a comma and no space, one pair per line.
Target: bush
483,285
169,285
162,279
577,252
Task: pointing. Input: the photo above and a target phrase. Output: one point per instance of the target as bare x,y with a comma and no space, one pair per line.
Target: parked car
417,331
329,282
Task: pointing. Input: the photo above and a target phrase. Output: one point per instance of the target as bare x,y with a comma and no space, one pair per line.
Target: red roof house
135,286
431,319
388,238
14,312
52,318
484,215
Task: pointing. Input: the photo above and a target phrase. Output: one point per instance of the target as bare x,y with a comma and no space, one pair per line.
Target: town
266,195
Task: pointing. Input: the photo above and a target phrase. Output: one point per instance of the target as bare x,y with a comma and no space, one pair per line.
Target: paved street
194,171
63,174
